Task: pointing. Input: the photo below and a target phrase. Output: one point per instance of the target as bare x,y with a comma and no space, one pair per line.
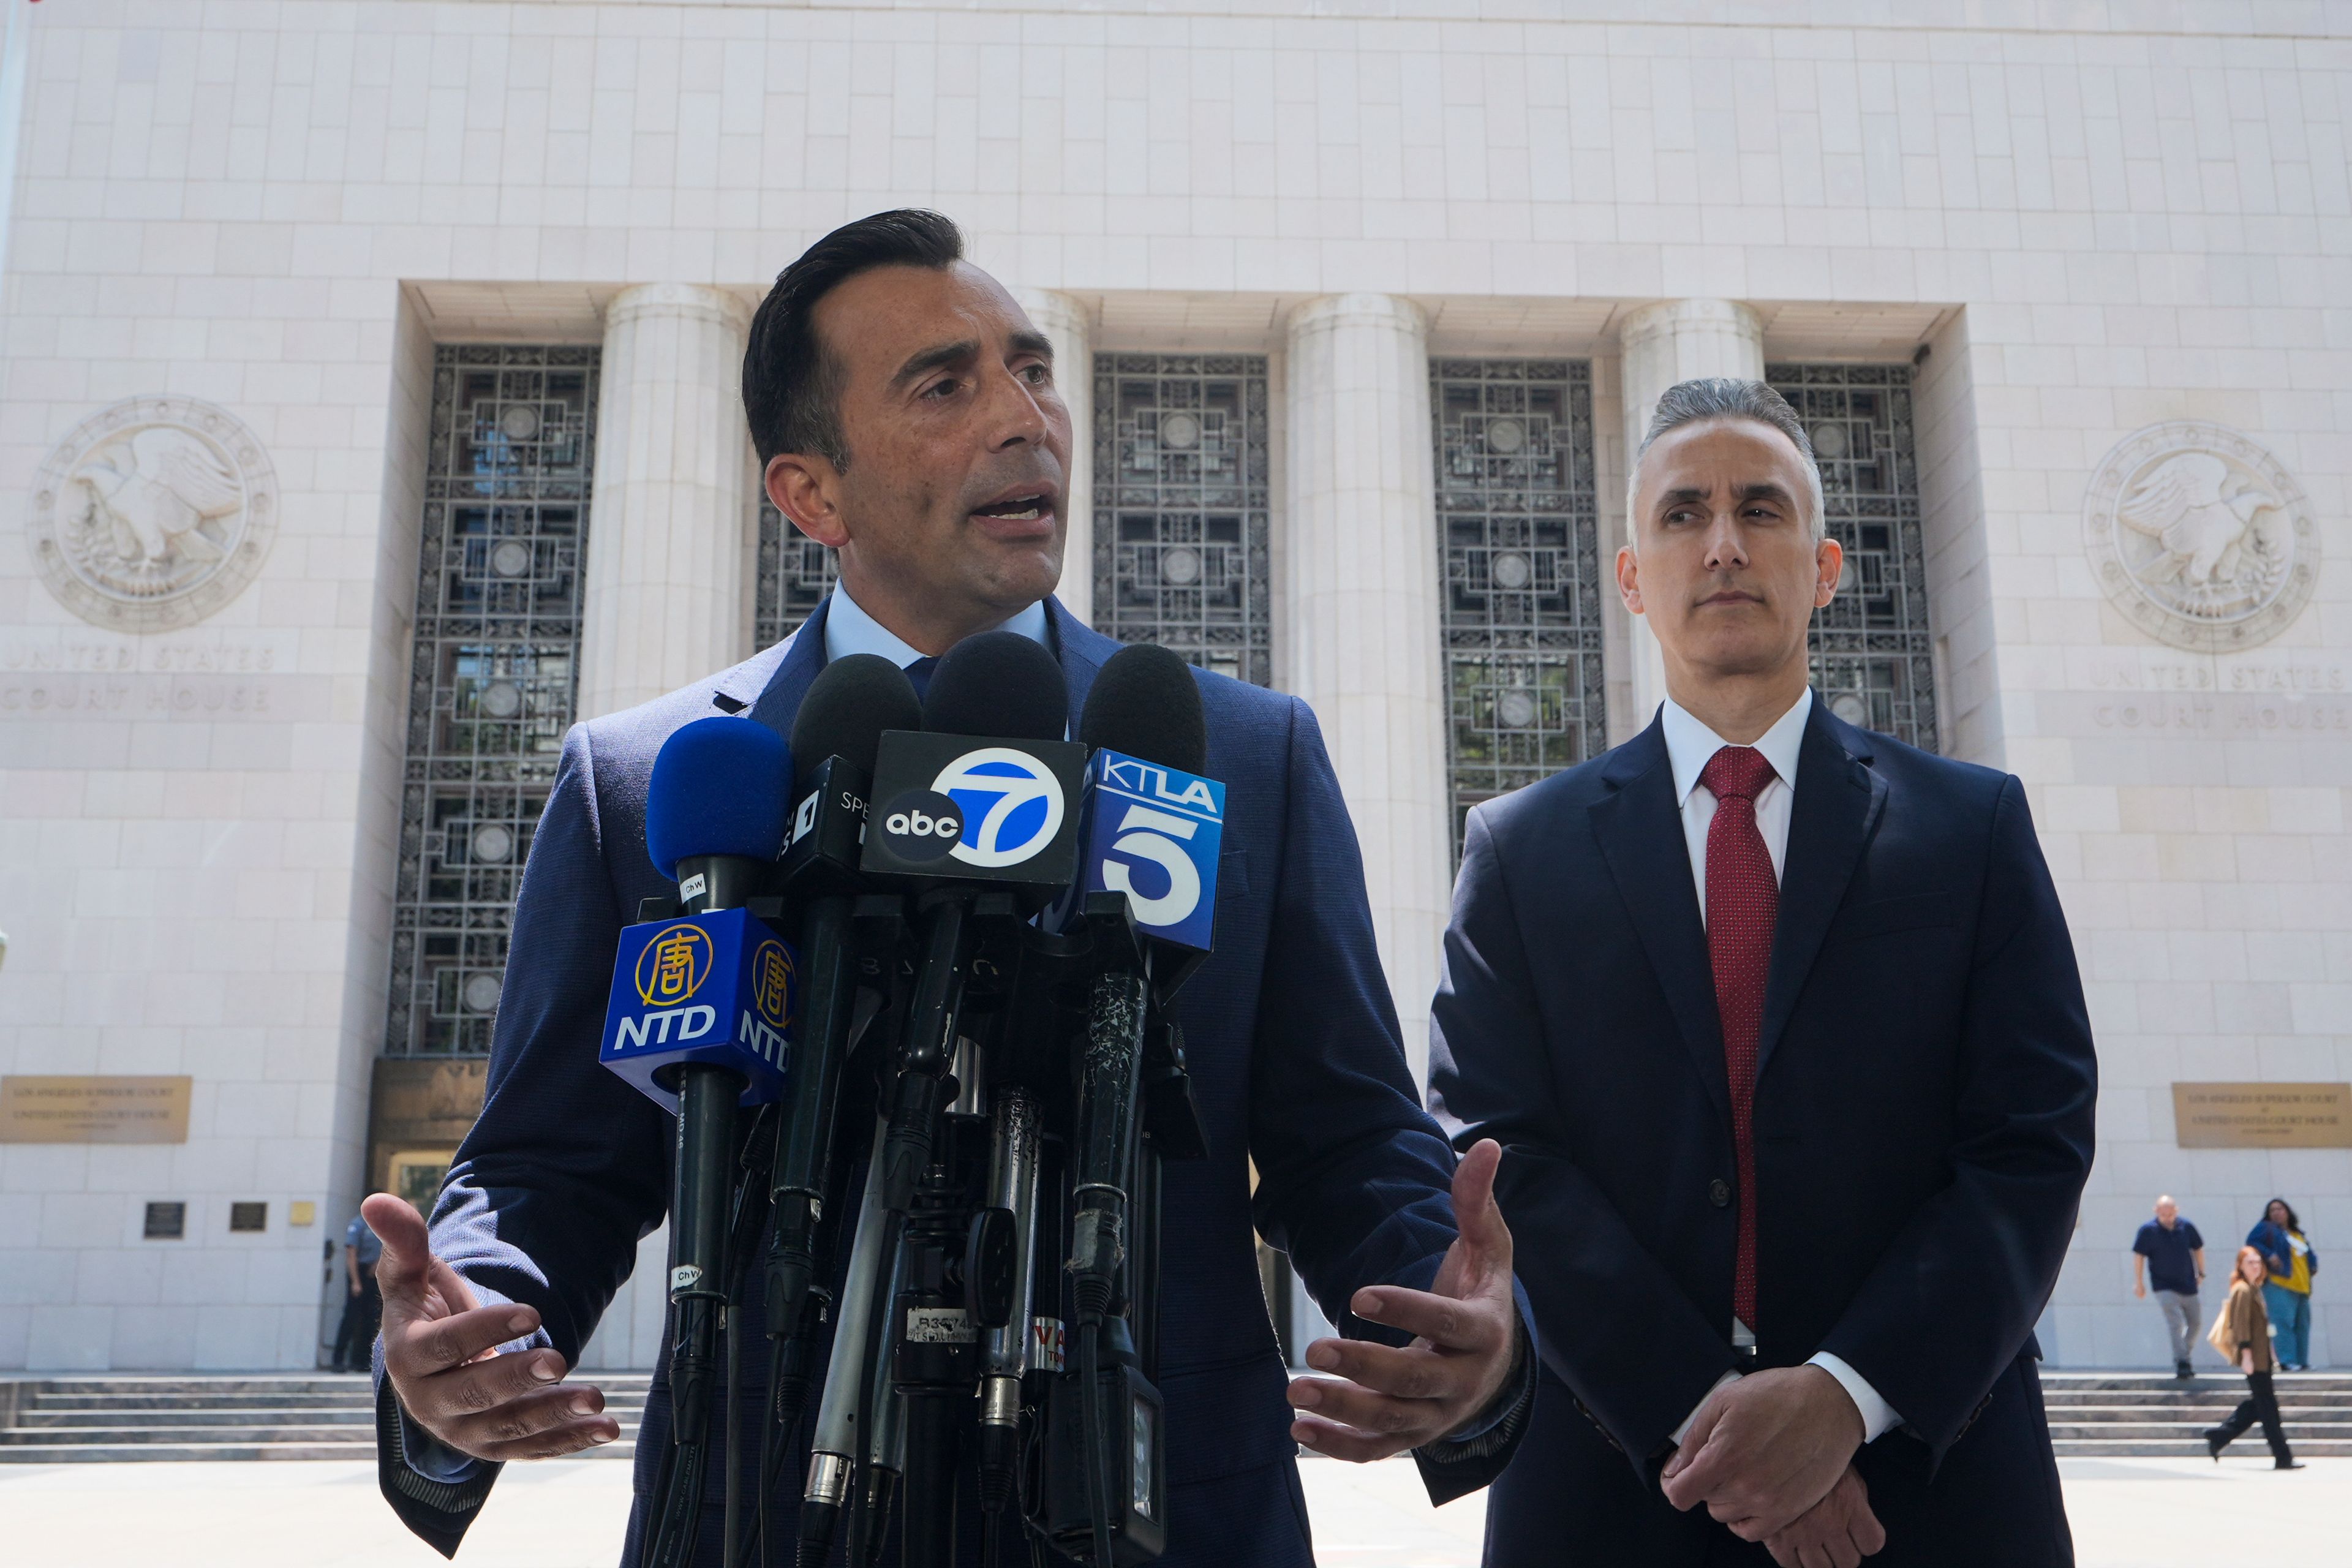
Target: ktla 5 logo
1012,805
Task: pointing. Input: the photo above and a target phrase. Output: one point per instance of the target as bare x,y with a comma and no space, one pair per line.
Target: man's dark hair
792,387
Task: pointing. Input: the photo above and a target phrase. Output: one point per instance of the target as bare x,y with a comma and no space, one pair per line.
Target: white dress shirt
1689,746
849,630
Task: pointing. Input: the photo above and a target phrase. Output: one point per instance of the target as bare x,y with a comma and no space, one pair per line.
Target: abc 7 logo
989,808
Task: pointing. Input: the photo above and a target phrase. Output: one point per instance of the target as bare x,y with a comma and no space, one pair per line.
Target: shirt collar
1690,744
849,630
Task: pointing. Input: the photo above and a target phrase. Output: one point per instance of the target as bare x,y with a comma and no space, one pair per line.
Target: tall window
795,573
1873,659
1181,552
1519,531
493,675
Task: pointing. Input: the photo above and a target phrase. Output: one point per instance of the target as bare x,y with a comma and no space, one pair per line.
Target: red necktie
1743,899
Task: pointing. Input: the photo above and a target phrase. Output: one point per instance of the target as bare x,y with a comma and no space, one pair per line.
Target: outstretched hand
1382,1400
441,1352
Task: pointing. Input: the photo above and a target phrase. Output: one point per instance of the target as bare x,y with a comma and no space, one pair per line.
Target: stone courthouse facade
369,416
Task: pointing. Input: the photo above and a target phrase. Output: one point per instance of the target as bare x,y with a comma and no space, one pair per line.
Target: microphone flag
718,989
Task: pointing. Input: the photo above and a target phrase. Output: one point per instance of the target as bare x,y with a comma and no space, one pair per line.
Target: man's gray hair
1728,397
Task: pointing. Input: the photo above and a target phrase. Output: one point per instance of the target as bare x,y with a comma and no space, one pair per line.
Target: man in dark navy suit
905,409
1780,1026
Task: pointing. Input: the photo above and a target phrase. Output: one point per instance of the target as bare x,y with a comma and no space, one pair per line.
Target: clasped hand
1770,1456
1383,1400
441,1352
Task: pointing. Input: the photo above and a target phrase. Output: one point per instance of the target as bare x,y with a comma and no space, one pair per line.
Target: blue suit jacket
1923,1127
1290,1033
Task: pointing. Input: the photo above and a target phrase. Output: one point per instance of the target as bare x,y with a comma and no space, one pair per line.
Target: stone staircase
294,1416
243,1415
2125,1414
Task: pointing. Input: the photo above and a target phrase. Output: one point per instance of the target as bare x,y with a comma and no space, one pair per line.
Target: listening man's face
958,445
1724,562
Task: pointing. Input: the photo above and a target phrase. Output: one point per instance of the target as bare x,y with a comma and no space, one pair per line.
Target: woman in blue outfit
2286,1295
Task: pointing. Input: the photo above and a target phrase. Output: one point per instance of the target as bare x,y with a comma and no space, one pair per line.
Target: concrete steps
326,1416
235,1416
2149,1415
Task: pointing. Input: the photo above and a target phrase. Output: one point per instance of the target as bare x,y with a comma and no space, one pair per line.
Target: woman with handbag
2287,1255
2243,1334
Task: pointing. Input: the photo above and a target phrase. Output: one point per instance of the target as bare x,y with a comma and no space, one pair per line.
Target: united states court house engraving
371,415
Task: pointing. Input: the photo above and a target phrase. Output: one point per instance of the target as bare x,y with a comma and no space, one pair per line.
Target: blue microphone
701,1008
714,987
1149,826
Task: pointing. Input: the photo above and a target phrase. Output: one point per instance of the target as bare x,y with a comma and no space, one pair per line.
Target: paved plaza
2127,1513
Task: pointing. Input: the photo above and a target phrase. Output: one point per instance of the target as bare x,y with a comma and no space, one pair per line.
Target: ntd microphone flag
718,989
1153,833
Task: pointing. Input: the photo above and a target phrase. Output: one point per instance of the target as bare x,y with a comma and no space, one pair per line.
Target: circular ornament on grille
1852,709
501,700
2200,537
154,513
1512,570
519,421
1181,431
493,844
482,992
1516,708
1506,435
1180,567
511,558
1829,440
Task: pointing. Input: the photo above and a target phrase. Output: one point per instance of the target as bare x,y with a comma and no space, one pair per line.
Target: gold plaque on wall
112,1109
2262,1115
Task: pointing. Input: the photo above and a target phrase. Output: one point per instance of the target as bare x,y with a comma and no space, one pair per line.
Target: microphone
835,736
983,797
716,810
1151,816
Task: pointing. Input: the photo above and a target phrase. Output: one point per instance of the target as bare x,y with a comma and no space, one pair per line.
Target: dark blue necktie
919,673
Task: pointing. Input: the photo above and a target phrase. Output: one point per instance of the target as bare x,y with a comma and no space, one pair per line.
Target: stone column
1680,340
1360,591
666,524
1063,320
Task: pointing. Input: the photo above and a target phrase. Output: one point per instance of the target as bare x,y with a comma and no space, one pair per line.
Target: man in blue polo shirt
2169,1258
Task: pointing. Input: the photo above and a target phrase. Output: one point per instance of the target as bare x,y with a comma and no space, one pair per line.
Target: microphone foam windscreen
848,708
1145,703
998,683
720,786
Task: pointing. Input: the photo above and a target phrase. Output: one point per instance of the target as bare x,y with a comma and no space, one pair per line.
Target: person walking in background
364,1307
2290,1262
2243,1334
2169,1257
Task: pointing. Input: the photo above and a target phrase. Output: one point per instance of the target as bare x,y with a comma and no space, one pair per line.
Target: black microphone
834,738
1146,706
1000,687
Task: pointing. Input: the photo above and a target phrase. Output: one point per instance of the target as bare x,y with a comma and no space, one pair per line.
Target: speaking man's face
1724,562
950,510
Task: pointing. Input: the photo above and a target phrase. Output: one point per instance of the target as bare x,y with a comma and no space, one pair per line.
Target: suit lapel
1640,829
1836,809
779,700
1081,650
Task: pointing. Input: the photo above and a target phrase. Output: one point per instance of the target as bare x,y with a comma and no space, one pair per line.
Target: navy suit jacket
1923,1128
1290,1033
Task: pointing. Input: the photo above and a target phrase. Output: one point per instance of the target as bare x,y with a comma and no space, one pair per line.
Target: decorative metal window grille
493,680
1181,551
1873,658
795,573
1518,533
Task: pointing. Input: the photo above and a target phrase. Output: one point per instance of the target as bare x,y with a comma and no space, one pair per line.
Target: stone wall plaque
2200,537
111,1109
421,1110
2262,1115
154,513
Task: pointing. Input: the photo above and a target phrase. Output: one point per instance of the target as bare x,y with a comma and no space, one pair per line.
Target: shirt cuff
1878,1418
1726,1380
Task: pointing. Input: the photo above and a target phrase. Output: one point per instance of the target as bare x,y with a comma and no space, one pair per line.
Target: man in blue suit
1780,1026
905,409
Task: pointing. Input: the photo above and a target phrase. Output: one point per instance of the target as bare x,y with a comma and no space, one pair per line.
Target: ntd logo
673,966
717,988
1153,834
1011,805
